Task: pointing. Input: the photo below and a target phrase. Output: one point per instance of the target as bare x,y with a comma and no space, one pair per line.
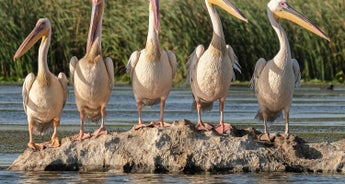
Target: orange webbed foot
159,123
223,127
286,135
264,137
81,137
54,143
35,147
100,131
204,126
139,126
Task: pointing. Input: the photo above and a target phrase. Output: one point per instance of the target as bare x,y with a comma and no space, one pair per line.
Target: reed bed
184,25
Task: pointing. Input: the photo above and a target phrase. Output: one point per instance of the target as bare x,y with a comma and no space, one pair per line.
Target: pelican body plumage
92,77
152,70
211,71
44,96
274,81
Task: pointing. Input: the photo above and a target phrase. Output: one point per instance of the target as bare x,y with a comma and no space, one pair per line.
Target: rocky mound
182,149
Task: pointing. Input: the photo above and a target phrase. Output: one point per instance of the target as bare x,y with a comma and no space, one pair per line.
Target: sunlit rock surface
182,149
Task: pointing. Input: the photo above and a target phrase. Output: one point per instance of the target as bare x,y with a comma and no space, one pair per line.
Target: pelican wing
297,72
234,61
29,80
259,66
110,69
172,61
63,81
72,65
132,62
193,62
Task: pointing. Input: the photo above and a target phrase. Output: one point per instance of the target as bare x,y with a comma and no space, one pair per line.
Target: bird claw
264,138
81,137
36,147
54,143
204,126
286,135
159,123
100,131
222,128
139,126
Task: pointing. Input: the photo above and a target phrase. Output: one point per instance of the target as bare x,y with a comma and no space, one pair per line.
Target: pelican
152,70
211,71
92,77
274,80
44,96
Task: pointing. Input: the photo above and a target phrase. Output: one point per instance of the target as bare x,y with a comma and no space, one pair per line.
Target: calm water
311,106
314,110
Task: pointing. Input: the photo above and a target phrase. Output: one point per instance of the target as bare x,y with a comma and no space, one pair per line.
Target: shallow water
104,177
312,106
317,114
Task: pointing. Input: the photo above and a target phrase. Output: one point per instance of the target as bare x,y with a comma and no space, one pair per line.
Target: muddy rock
182,149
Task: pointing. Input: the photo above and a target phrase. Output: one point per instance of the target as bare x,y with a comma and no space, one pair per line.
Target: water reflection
99,177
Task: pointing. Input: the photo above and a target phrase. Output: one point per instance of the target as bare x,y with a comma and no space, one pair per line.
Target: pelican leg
140,123
201,125
161,117
286,134
82,134
222,127
101,130
55,139
31,143
265,136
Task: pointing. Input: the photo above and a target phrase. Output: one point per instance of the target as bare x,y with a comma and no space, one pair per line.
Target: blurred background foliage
184,25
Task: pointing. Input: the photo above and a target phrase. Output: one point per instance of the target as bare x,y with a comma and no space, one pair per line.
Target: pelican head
41,30
154,6
228,7
95,30
281,9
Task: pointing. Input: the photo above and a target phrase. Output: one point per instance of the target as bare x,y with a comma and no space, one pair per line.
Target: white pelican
44,96
211,71
152,70
274,80
92,77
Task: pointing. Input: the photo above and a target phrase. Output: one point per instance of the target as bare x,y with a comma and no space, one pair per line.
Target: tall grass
184,25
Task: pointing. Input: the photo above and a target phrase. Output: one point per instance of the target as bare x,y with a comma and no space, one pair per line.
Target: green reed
184,25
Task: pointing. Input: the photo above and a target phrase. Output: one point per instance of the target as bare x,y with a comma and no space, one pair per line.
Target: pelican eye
42,24
283,5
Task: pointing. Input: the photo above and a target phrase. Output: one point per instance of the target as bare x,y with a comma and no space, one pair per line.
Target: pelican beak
230,8
40,30
155,8
290,14
96,19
